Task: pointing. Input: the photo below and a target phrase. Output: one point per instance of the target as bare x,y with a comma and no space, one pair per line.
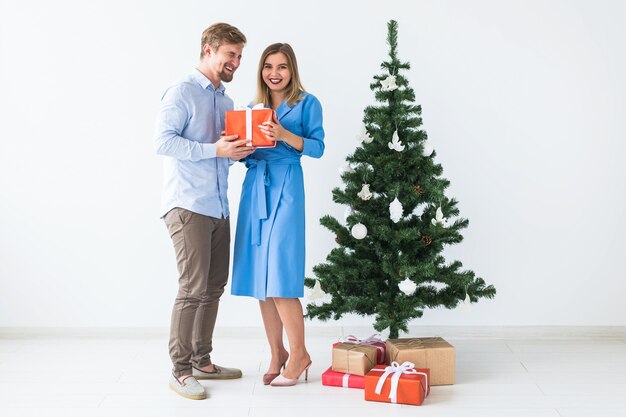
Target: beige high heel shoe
281,381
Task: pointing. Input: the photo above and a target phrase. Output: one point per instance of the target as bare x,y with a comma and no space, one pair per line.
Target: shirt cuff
209,150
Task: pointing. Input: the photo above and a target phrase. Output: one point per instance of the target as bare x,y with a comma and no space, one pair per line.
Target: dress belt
259,198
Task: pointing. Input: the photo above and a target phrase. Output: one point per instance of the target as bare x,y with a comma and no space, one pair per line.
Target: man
195,203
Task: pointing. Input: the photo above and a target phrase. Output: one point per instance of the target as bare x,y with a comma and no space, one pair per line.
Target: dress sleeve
313,131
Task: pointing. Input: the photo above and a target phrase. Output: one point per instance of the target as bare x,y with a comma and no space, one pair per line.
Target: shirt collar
206,83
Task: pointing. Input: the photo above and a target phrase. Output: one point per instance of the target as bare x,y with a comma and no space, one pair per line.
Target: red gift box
338,379
245,123
402,384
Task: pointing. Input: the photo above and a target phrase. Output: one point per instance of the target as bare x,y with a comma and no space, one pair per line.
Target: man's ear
207,49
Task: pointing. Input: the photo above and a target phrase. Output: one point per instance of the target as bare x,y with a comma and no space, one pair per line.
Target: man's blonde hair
219,34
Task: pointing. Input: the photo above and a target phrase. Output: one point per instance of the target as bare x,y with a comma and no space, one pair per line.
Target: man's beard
226,77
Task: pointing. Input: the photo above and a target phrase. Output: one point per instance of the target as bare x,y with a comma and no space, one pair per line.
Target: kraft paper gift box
245,123
400,384
349,358
373,340
425,352
338,379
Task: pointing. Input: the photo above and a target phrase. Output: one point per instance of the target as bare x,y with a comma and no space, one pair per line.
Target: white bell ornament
407,286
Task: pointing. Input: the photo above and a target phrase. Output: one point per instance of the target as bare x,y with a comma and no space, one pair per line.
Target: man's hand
230,147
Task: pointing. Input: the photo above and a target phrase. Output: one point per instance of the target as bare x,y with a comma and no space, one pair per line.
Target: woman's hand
273,130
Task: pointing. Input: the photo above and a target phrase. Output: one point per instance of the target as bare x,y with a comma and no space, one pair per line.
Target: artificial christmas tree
398,219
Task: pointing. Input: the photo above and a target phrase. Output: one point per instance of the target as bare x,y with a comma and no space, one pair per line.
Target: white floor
126,375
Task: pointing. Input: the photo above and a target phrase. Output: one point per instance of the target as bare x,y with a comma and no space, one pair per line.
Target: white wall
523,100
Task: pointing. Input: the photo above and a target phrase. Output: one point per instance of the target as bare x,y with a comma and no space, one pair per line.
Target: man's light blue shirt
190,121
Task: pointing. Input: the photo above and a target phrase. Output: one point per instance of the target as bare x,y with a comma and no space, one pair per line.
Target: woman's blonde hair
294,89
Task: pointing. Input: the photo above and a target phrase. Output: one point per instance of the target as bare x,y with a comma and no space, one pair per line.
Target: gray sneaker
190,388
219,373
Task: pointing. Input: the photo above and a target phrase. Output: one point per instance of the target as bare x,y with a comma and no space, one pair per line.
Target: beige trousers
202,246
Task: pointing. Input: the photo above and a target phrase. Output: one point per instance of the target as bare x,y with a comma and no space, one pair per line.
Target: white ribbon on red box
396,370
249,121
248,124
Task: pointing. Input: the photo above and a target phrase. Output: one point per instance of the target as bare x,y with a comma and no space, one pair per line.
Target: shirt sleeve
313,131
174,114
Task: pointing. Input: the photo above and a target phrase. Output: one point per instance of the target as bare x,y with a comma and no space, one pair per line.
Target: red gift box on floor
245,123
375,341
338,379
402,384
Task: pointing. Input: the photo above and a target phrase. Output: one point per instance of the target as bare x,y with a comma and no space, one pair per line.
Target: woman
270,241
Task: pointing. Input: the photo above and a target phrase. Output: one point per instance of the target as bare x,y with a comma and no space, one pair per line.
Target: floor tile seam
102,401
539,388
524,366
119,378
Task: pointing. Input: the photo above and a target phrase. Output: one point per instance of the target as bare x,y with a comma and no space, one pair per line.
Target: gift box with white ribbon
245,123
398,384
374,340
350,358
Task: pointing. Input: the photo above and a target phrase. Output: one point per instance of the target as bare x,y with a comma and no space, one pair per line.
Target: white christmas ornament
428,150
347,213
364,136
395,143
395,210
467,302
439,219
317,292
365,193
407,286
389,83
359,231
346,168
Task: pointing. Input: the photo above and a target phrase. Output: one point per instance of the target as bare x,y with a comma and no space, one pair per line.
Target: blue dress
269,251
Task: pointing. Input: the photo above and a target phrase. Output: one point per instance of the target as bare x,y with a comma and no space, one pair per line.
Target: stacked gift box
352,360
397,371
